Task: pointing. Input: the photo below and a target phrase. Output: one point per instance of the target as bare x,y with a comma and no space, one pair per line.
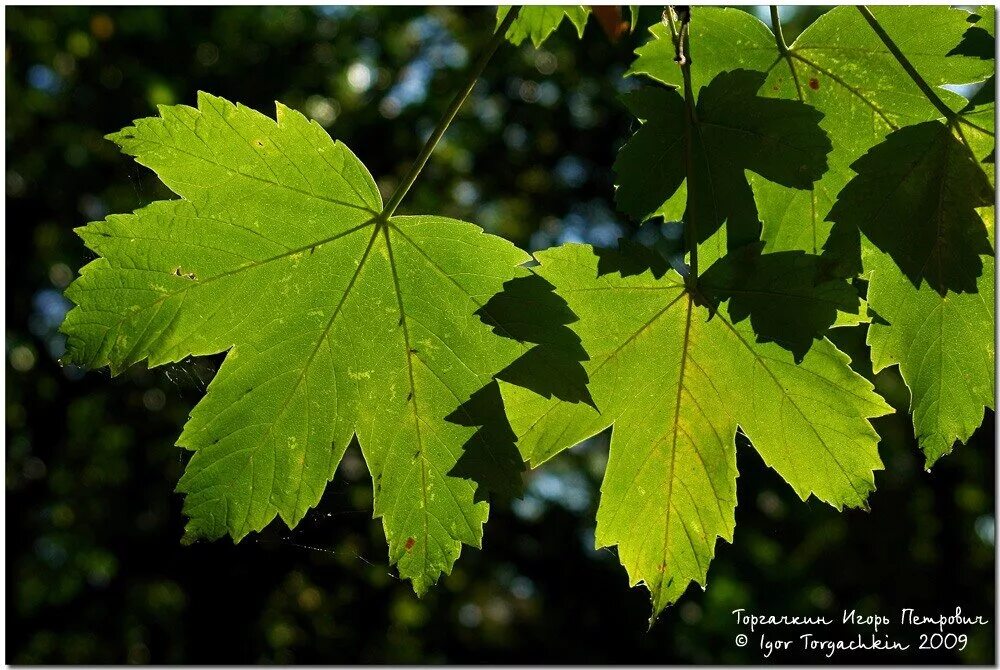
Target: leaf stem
668,19
783,50
683,59
449,115
779,38
924,87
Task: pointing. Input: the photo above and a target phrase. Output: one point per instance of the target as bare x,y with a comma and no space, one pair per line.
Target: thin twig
683,13
668,20
924,87
449,116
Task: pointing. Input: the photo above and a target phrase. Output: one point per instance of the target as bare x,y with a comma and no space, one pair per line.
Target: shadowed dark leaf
735,130
526,310
633,258
650,167
842,251
914,197
788,295
490,457
978,41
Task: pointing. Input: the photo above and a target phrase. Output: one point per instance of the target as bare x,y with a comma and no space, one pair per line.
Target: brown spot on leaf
409,543
814,84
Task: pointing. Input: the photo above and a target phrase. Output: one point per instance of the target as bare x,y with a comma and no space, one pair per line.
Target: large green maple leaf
338,321
676,383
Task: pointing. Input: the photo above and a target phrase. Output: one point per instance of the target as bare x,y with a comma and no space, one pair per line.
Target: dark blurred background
95,569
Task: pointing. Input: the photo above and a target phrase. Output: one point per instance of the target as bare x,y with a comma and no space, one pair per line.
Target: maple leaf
538,22
942,341
338,321
840,67
735,130
676,383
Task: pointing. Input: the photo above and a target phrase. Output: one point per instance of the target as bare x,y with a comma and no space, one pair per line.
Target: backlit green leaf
943,346
841,66
722,39
676,384
537,22
337,322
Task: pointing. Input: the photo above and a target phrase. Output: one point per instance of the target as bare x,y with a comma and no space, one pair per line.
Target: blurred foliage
95,570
